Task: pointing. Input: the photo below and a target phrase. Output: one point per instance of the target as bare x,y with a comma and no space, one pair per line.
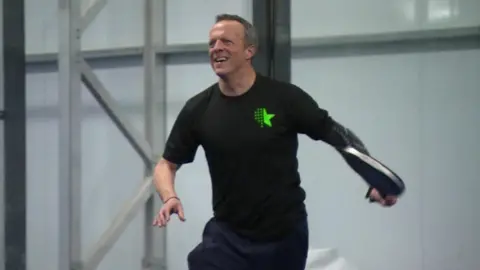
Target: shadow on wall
327,259
387,48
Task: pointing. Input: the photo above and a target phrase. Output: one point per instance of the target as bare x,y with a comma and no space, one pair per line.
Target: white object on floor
327,259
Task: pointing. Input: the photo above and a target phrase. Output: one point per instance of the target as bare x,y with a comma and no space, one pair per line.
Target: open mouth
220,59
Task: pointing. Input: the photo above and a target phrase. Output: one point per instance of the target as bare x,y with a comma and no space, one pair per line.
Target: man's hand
387,201
171,206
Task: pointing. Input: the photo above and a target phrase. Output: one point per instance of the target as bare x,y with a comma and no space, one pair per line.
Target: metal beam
401,36
262,16
91,14
394,47
298,43
155,122
13,167
88,55
107,102
281,39
272,21
69,135
118,226
142,146
2,147
124,52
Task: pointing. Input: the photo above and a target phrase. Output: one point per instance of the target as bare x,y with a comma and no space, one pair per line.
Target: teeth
221,59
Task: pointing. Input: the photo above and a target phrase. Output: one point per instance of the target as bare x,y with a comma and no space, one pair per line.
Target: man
248,126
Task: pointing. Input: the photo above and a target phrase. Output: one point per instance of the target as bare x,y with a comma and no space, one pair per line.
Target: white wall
403,129
193,182
408,131
189,21
118,25
311,18
111,169
408,110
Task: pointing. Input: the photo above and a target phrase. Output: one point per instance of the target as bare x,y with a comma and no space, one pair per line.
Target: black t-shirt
250,143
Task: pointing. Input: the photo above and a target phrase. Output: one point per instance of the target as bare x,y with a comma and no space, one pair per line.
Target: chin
222,72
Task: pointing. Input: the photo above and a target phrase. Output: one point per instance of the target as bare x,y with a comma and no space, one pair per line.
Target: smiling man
248,125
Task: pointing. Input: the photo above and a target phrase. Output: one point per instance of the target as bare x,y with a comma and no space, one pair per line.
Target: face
228,51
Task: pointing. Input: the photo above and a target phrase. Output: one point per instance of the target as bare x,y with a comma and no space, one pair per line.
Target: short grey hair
251,37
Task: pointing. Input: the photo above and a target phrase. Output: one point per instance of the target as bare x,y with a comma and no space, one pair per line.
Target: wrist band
367,196
368,192
174,197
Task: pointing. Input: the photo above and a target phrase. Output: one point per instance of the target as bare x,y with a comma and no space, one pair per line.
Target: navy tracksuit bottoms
223,249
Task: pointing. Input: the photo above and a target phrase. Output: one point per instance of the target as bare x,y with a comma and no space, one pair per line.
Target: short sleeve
182,142
306,116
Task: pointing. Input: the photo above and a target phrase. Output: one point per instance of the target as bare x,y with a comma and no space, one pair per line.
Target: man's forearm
339,136
164,177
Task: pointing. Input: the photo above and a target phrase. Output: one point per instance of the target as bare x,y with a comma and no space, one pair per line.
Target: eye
225,42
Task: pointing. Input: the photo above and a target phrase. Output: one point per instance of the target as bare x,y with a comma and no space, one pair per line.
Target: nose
217,45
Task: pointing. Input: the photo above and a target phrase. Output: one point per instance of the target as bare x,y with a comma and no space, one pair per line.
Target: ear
250,52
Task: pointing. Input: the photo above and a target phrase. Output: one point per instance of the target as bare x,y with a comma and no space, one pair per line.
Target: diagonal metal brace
95,255
106,101
91,14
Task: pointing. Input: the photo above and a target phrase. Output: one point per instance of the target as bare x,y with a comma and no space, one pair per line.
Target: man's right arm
180,148
164,177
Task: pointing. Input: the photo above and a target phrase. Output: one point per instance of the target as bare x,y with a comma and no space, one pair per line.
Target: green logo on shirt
263,118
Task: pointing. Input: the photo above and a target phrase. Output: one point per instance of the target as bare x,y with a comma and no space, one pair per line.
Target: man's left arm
309,119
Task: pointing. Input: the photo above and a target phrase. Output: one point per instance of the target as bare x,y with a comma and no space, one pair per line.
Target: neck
237,83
